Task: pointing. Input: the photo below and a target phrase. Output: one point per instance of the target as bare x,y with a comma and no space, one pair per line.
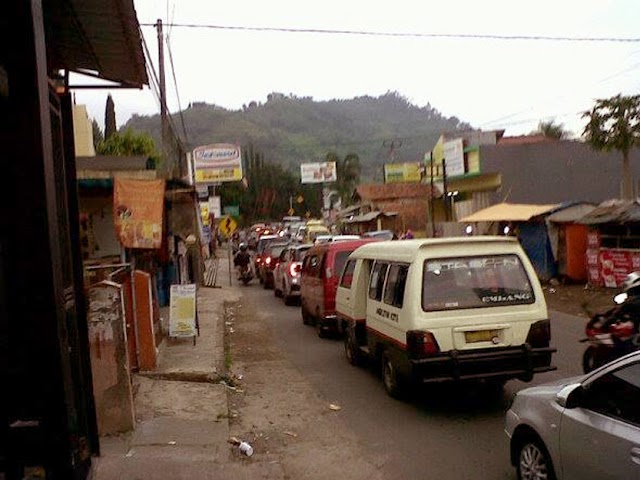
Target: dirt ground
274,408
578,299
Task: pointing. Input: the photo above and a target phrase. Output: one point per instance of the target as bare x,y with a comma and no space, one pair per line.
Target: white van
433,310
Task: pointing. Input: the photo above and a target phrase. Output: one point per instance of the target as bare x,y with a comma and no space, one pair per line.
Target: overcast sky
490,83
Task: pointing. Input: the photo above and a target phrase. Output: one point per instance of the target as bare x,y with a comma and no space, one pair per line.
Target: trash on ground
552,290
130,453
335,407
234,441
246,448
291,434
172,442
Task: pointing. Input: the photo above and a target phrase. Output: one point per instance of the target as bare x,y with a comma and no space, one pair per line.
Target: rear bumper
500,363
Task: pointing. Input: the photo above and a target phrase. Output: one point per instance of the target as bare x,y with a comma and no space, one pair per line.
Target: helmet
631,281
243,246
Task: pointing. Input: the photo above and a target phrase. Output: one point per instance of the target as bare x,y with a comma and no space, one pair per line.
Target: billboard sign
138,212
218,162
403,172
318,172
454,156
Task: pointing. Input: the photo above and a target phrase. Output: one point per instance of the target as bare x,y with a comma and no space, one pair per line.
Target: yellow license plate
481,336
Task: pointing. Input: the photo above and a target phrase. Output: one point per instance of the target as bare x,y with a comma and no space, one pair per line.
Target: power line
371,33
175,83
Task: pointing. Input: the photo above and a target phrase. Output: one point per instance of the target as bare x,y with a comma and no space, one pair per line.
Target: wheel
351,350
319,330
591,359
534,462
288,299
276,291
306,319
390,377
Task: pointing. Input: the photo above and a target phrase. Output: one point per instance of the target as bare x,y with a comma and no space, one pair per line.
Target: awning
99,37
368,217
613,211
509,212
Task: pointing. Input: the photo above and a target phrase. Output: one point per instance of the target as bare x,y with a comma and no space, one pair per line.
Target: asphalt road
444,432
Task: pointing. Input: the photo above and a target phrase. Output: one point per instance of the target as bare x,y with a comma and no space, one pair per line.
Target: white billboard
218,162
318,172
454,157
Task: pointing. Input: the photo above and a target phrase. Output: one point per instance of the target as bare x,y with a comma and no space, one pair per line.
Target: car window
299,253
473,282
394,289
376,282
347,275
341,259
617,394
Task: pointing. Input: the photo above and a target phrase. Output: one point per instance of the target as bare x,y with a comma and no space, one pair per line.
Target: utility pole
164,121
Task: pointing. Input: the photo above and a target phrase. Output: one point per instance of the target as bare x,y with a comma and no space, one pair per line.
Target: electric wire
462,36
175,83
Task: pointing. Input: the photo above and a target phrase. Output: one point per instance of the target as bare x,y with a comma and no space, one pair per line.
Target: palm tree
552,130
614,124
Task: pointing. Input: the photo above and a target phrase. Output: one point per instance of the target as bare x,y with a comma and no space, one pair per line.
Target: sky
488,83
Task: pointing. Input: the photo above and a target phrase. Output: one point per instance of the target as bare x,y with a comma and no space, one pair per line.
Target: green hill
290,130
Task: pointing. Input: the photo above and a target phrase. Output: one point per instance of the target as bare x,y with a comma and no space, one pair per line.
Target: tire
390,378
306,319
591,359
277,292
319,330
351,351
288,299
534,462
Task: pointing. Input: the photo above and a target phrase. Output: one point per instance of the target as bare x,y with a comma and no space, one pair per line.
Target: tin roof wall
555,172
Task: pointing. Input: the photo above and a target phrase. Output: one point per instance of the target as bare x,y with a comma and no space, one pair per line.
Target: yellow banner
402,172
219,175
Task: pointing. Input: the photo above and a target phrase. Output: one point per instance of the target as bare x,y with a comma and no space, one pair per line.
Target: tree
552,130
98,137
348,172
614,124
130,143
109,118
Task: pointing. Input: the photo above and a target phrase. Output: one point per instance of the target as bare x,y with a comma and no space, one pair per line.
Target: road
444,432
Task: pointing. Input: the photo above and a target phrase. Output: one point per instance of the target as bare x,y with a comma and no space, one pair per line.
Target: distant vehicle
287,273
584,427
312,231
261,244
290,219
379,235
335,238
270,257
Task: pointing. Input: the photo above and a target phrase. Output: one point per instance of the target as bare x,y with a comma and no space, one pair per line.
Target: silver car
586,427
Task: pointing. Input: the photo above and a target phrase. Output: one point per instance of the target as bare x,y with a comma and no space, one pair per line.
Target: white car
287,273
585,428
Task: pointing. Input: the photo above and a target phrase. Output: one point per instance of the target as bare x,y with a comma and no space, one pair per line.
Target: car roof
344,245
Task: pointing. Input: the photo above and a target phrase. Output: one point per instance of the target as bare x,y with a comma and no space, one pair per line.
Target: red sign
616,264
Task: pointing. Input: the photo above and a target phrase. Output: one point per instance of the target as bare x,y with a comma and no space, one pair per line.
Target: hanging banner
218,162
318,172
138,211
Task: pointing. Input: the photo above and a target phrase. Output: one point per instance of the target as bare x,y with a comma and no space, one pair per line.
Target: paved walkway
182,427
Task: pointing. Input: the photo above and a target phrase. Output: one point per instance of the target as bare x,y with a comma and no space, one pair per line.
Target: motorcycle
609,337
246,275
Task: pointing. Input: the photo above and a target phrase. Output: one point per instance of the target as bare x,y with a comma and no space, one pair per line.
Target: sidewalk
182,427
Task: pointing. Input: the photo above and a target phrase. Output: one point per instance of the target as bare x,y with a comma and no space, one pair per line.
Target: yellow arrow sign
227,225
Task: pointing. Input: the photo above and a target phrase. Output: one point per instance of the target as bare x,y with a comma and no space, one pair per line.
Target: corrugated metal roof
571,213
101,36
613,211
512,212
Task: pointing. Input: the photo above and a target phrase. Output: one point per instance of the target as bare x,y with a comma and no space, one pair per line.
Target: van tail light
259,260
294,269
539,334
421,343
267,260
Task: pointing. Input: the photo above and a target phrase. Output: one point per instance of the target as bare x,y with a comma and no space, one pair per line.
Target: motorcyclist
628,310
242,259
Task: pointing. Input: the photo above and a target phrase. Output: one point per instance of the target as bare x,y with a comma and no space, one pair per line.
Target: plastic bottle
246,448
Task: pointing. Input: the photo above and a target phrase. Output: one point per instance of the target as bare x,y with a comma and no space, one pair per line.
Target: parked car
262,242
287,273
446,309
269,260
335,238
321,269
585,427
379,235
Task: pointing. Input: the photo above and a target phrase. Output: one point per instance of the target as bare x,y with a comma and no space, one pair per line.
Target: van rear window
475,282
